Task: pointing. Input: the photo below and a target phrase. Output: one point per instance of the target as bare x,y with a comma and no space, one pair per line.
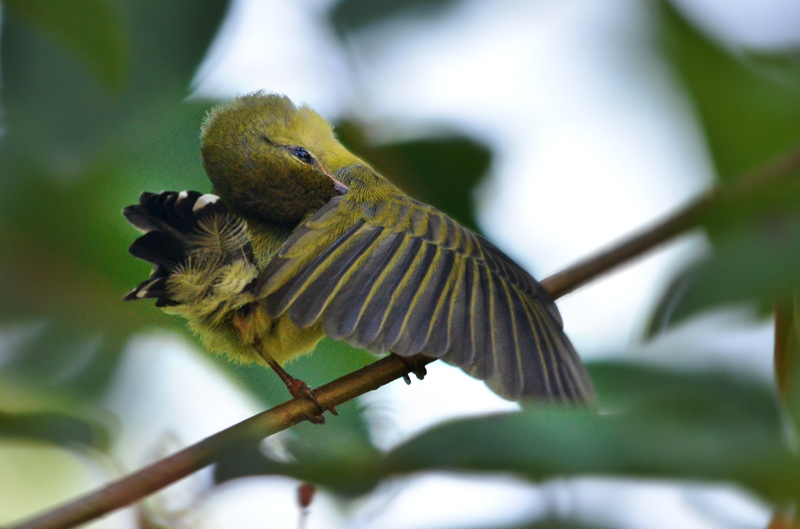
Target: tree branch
148,480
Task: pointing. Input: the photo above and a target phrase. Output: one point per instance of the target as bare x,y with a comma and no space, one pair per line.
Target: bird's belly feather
229,321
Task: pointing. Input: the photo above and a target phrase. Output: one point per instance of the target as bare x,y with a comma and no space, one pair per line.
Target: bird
301,239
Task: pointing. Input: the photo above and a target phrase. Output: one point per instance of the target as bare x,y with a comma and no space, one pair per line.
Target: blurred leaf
352,15
753,265
442,172
32,410
749,105
68,131
71,158
58,428
633,388
673,431
92,29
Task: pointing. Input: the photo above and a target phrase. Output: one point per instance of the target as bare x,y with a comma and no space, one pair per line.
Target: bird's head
271,160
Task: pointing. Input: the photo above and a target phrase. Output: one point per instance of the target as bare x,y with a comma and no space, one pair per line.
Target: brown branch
148,480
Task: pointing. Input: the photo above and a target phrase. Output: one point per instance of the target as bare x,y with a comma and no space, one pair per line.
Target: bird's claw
413,365
299,389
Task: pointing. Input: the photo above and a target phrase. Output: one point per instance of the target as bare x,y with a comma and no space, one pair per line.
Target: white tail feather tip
203,201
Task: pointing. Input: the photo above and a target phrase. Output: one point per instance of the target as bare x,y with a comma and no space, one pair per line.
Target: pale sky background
592,138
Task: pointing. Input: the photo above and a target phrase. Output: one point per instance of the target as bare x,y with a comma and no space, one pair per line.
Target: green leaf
31,410
314,446
749,108
71,159
748,104
753,266
92,29
69,131
58,428
636,388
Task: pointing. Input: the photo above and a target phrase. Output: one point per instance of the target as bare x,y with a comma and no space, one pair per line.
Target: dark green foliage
74,155
53,427
749,106
753,266
91,29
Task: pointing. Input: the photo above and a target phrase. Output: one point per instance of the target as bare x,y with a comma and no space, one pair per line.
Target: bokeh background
553,127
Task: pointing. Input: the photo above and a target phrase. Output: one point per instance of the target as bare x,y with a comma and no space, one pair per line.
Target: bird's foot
415,365
299,389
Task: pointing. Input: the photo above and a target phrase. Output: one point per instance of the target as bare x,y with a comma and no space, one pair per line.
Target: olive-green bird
301,239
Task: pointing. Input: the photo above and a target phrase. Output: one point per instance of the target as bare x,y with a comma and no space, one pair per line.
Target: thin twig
148,480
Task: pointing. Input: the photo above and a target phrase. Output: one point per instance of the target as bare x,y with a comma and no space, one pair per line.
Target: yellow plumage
307,241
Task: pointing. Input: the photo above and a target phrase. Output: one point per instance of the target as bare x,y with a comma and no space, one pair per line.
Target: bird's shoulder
376,202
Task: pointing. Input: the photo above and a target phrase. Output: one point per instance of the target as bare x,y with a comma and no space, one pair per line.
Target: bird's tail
189,238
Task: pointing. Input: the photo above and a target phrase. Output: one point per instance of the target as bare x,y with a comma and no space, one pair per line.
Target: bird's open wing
398,275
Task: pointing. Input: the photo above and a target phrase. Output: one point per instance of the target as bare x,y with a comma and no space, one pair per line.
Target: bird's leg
414,365
297,388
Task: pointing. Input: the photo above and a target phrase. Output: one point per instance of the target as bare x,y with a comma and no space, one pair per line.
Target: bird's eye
302,155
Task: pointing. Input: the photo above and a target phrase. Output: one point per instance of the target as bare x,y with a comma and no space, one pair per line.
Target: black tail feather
167,220
171,211
160,248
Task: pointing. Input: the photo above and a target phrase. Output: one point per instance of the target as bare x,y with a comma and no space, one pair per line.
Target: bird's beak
338,186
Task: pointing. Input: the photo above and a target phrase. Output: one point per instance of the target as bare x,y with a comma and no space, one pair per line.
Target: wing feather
392,274
544,381
461,349
282,276
547,349
530,366
482,366
436,342
356,292
510,366
428,297
371,331
339,272
397,330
